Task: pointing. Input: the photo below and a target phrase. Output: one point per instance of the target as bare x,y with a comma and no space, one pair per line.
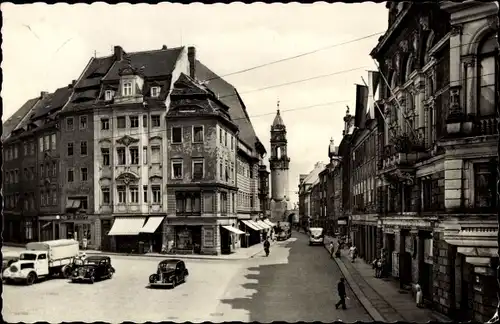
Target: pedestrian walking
267,245
332,249
342,294
354,252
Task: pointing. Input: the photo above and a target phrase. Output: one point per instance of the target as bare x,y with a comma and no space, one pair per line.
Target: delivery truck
42,259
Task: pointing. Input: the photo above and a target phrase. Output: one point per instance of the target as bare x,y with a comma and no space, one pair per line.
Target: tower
279,165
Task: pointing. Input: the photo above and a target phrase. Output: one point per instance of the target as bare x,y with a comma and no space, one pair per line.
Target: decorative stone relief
127,140
454,100
403,45
456,30
127,178
424,22
469,61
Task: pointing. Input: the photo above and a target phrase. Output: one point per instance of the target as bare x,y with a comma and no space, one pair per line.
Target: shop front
230,238
13,228
253,233
49,227
82,228
133,234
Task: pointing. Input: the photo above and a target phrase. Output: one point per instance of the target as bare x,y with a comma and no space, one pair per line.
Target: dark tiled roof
52,102
17,118
154,63
230,97
95,71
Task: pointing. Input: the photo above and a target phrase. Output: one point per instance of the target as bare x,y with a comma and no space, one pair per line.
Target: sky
47,46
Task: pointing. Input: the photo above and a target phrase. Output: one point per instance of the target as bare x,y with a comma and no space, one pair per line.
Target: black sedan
170,272
93,268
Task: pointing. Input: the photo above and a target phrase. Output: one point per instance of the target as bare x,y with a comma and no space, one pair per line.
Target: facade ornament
454,101
127,140
127,178
424,22
456,30
388,63
403,45
469,61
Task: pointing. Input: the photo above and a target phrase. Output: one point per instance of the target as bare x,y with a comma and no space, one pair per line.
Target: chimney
192,61
43,94
118,53
72,84
164,47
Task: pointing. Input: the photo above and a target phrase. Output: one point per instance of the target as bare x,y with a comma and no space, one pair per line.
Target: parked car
7,260
77,262
316,236
42,259
170,272
94,268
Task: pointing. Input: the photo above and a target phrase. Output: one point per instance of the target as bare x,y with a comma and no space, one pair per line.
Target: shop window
120,152
134,155
28,230
134,195
121,194
106,197
105,156
156,190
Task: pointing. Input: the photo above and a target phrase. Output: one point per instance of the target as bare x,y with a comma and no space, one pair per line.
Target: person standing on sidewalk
342,294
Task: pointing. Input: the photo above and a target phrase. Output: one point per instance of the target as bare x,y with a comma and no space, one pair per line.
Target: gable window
83,122
70,149
69,123
121,194
156,190
198,134
177,169
176,134
53,142
198,169
84,174
134,121
134,155
71,175
108,95
155,92
105,156
83,148
155,154
134,194
155,121
105,196
121,155
104,123
127,88
121,122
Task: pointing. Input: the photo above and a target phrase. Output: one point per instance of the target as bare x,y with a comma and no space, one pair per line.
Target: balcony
486,125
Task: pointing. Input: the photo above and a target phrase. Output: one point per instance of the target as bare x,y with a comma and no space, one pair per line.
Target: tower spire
278,106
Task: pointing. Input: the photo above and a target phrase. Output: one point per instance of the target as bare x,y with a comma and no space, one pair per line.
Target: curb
372,311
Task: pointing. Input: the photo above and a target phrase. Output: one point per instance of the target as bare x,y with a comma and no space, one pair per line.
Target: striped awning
251,224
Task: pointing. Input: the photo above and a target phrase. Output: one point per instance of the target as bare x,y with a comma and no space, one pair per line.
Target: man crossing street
342,294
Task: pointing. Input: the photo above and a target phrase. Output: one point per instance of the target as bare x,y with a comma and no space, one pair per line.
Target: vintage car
77,262
94,268
170,272
7,260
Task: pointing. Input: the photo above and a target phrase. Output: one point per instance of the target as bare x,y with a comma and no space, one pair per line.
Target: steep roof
153,63
278,121
10,124
230,97
314,174
52,102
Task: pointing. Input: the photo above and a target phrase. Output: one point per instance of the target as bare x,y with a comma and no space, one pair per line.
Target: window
155,92
121,194
106,197
176,135
145,155
225,138
16,152
25,149
145,121
251,172
53,142
83,148
197,134
156,194
127,88
16,176
104,123
232,142
105,156
176,169
233,203
84,174
121,155
32,145
134,155
145,194
32,173
198,170
180,202
83,122
84,203
70,174
221,170
46,147
121,122
54,168
223,202
40,145
54,197
26,174
188,202
155,121
155,154
251,201
42,198
134,121
41,171
69,124
134,195
220,136
108,95
487,76
485,180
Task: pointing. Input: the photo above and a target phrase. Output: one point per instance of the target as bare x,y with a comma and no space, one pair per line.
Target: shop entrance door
225,241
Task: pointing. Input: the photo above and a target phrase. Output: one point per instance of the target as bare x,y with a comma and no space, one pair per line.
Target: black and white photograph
250,162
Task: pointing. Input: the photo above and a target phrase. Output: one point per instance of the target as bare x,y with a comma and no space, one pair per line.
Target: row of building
414,177
145,146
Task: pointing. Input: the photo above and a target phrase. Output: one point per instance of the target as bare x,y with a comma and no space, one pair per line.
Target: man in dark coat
342,294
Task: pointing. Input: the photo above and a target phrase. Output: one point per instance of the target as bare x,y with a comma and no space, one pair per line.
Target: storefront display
209,237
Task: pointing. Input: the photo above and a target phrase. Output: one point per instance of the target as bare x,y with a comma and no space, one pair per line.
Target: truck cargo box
57,249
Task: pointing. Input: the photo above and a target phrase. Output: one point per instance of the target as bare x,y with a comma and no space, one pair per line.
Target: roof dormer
131,83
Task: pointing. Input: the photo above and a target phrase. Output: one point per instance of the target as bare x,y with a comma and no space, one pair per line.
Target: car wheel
92,279
153,278
113,270
110,275
174,282
31,278
66,272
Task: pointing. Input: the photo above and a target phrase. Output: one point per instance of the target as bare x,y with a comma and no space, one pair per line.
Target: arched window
278,152
487,75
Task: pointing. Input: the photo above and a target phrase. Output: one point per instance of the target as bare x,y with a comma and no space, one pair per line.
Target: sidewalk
240,254
381,297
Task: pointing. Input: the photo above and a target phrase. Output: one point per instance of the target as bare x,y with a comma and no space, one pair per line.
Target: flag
373,84
362,93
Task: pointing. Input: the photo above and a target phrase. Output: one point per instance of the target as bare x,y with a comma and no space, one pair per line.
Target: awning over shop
252,225
233,229
268,222
152,224
263,225
256,224
127,226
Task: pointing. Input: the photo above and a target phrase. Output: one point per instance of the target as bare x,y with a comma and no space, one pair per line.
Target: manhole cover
216,314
